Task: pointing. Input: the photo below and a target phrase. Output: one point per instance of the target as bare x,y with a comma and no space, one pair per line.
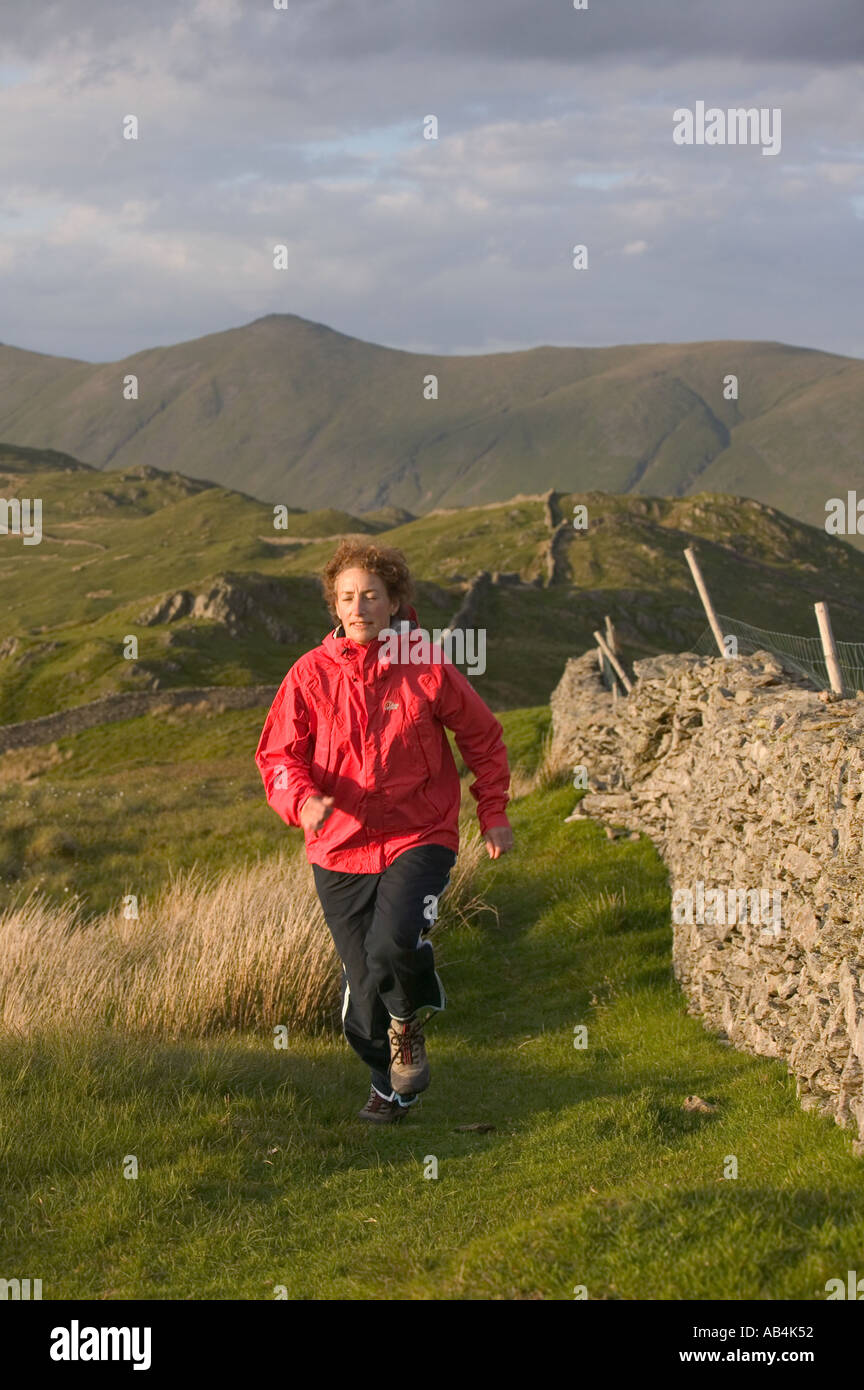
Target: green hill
215,595
296,413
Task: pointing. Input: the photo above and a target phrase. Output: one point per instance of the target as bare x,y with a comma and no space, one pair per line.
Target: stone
800,864
743,779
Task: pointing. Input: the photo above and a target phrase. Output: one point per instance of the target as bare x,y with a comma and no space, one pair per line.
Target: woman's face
363,605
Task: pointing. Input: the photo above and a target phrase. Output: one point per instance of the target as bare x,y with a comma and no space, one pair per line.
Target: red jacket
349,724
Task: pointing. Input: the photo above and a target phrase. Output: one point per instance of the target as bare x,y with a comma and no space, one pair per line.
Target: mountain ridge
293,411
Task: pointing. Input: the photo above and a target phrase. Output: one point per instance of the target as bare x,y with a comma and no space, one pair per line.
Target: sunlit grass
255,1173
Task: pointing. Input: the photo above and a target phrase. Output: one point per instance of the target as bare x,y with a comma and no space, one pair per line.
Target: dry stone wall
126,705
745,780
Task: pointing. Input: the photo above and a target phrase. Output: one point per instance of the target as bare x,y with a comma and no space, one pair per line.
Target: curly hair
389,565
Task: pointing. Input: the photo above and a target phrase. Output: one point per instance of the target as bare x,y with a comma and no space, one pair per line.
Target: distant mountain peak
293,411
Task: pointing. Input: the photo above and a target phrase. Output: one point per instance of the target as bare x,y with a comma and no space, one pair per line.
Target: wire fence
800,654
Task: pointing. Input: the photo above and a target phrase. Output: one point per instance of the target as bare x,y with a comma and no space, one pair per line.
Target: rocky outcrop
748,782
168,609
238,603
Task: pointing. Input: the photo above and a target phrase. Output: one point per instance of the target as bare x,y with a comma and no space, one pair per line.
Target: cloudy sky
304,126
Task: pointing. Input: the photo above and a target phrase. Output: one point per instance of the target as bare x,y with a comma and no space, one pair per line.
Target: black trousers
380,924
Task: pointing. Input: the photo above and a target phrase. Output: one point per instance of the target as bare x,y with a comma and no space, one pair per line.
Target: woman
355,751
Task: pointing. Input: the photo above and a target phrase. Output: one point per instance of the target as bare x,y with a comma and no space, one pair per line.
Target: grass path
254,1173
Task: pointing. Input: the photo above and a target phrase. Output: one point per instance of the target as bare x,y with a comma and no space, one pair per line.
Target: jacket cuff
298,801
287,801
493,821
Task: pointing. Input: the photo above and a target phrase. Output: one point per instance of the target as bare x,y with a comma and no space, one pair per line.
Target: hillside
294,412
216,596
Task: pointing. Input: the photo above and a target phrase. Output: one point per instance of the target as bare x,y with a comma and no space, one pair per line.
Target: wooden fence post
603,666
829,647
613,661
706,599
611,636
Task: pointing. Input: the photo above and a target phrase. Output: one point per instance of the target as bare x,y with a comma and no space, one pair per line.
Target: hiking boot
381,1111
409,1065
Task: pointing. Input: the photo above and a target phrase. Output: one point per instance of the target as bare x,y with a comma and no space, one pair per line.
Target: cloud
660,31
304,127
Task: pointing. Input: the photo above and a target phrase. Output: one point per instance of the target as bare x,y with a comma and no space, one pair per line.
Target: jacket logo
391,704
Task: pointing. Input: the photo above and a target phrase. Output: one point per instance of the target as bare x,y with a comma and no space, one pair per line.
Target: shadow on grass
766,1244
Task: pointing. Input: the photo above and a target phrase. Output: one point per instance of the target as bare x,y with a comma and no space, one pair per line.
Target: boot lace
408,1035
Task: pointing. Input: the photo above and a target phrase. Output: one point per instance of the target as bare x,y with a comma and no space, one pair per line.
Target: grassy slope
254,1172
114,542
295,412
106,811
121,802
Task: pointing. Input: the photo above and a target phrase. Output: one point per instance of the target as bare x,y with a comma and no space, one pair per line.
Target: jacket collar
348,652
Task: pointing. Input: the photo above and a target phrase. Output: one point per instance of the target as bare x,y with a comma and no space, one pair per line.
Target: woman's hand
498,841
314,812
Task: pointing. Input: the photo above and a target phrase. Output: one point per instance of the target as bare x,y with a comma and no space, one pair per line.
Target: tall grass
247,950
551,771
